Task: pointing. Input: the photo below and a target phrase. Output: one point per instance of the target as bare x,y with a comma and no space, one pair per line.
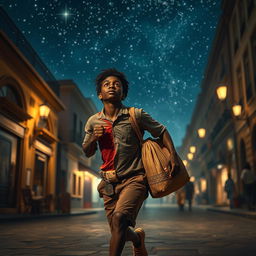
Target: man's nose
111,85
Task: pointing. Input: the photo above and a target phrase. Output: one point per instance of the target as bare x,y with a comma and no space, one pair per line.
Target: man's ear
100,96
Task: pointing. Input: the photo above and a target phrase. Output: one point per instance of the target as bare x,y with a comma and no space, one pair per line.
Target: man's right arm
90,143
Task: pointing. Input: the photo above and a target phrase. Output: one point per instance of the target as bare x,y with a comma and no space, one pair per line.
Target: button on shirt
119,144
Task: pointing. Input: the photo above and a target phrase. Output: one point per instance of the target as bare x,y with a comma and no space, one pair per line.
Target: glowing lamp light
237,110
201,132
185,162
190,156
219,166
192,149
222,92
44,111
192,178
230,144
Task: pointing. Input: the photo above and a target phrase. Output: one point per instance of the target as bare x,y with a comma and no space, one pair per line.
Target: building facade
28,138
230,139
78,175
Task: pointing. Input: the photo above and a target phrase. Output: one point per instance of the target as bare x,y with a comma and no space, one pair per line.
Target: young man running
123,185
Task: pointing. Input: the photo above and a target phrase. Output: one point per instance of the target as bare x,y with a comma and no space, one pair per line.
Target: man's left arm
158,130
168,143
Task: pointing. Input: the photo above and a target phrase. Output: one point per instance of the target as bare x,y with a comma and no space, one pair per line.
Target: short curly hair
112,72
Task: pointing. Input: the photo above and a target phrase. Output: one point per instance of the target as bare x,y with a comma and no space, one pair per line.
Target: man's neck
112,109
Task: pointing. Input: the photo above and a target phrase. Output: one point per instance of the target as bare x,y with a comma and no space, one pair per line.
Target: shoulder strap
134,123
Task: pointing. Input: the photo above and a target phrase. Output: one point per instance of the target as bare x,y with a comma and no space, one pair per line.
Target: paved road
169,233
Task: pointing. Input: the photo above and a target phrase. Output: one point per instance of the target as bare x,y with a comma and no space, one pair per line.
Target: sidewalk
238,212
220,209
74,212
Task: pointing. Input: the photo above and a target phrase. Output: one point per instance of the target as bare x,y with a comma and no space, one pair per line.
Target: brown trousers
128,198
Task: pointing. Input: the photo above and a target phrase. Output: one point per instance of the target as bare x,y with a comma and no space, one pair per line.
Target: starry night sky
161,46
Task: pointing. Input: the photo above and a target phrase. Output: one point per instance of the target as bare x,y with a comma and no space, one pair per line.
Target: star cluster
162,47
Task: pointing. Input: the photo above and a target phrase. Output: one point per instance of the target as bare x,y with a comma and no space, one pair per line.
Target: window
250,5
235,34
11,94
74,126
241,16
80,131
248,82
240,86
253,45
74,184
77,185
223,67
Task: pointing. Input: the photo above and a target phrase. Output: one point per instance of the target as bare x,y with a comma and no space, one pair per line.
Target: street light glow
192,149
185,162
44,111
190,156
237,109
201,132
222,92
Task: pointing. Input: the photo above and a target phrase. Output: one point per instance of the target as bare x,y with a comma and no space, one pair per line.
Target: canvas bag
155,158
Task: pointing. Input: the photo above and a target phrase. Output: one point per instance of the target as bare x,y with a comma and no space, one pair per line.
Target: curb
45,216
250,215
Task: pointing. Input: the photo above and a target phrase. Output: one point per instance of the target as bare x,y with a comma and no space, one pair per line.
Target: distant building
77,174
230,140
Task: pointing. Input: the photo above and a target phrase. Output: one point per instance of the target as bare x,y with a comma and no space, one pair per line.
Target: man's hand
167,141
174,163
98,131
90,146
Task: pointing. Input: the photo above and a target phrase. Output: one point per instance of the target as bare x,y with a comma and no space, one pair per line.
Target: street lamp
237,110
190,156
201,132
44,111
222,92
192,149
219,166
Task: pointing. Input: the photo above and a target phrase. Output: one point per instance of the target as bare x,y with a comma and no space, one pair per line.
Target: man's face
111,89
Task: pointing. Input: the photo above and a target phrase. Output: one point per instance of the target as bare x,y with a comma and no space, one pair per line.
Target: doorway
41,174
8,170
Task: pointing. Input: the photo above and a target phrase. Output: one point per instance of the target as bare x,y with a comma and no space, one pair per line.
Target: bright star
66,14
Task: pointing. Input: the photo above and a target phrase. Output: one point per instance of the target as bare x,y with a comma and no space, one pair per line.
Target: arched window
12,103
11,94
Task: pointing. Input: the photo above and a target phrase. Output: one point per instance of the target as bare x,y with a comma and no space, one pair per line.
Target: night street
168,233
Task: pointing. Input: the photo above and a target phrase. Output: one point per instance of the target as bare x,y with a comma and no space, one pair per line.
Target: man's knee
119,220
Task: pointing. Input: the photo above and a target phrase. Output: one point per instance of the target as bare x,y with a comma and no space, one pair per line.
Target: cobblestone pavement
168,233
